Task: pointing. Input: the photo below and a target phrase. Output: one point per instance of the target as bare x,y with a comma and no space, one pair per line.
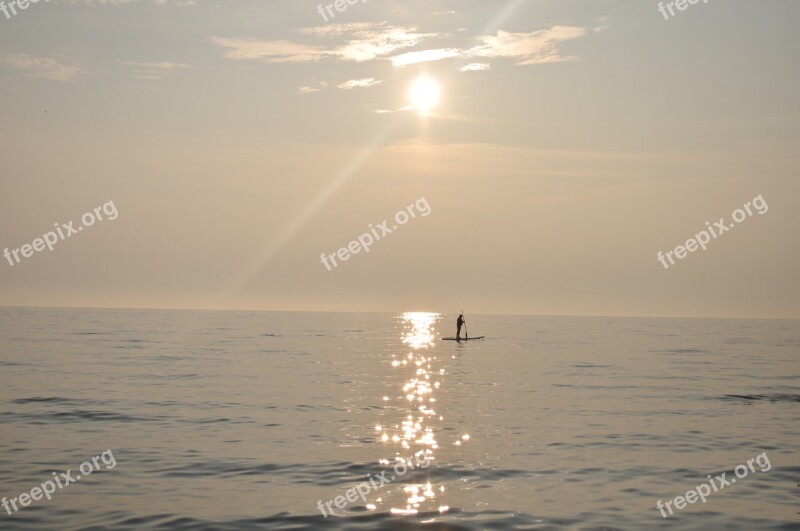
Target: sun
424,94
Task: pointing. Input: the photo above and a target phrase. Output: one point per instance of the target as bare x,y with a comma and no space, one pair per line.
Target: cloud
390,111
602,24
268,51
474,67
314,86
529,48
410,58
378,44
154,70
359,83
366,41
162,65
339,29
42,67
362,42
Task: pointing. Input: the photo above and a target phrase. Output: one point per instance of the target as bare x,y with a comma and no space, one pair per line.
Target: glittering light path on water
414,437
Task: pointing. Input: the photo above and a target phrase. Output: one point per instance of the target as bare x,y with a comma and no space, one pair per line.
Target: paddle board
461,339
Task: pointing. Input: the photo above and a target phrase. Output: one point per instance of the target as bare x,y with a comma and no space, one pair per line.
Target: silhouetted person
459,324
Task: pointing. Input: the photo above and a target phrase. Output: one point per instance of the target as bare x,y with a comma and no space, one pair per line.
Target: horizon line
392,312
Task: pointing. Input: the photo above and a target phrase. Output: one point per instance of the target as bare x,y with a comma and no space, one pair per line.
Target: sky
555,147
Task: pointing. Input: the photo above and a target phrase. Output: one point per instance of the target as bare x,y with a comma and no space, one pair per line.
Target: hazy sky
238,141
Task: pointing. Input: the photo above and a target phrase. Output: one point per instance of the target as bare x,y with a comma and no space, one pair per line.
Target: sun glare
424,94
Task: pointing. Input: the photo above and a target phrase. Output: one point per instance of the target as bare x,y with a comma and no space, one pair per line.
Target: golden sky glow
560,147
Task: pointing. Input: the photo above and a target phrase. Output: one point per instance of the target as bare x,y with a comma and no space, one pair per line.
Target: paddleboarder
459,324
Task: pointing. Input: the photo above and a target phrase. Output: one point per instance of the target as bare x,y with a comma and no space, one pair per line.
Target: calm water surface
237,420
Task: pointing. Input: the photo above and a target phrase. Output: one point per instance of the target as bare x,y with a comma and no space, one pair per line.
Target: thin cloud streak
41,67
153,70
163,65
475,67
312,87
529,48
423,56
369,42
247,49
537,47
360,83
366,42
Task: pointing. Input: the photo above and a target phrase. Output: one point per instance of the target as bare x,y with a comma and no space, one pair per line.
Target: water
238,420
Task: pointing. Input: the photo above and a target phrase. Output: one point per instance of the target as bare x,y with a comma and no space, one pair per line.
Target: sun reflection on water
414,437
421,333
